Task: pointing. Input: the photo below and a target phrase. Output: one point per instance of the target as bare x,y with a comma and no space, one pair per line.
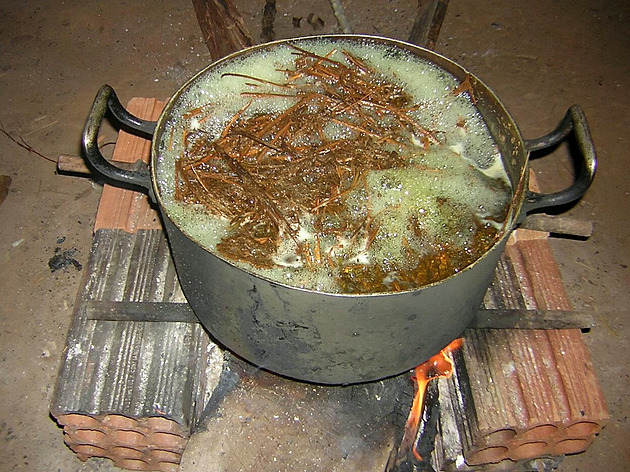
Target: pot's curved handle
574,120
139,175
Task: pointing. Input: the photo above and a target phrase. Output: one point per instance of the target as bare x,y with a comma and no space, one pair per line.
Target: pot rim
519,185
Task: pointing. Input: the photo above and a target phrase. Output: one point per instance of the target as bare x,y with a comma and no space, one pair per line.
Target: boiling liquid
422,221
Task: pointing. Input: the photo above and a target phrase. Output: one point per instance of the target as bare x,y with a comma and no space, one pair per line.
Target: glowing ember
440,365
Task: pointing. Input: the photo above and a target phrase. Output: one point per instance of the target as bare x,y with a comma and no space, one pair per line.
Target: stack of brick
520,394
149,443
132,391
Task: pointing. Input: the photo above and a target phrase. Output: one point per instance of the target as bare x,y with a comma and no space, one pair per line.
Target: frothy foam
445,191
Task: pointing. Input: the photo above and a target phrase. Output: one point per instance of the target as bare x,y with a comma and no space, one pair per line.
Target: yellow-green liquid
429,219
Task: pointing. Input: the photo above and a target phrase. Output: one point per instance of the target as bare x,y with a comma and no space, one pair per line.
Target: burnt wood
269,16
558,225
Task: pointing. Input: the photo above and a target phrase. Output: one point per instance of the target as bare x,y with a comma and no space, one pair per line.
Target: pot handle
574,120
138,174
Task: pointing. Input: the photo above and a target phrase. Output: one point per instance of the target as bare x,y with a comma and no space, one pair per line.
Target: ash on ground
63,259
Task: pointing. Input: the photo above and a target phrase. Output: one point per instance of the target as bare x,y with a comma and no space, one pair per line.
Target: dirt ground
539,57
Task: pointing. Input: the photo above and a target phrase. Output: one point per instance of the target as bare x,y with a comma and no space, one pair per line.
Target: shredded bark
265,172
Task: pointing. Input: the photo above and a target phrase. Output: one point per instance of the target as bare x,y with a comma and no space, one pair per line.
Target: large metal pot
340,338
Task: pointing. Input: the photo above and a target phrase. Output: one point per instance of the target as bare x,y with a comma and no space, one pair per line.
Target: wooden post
426,27
269,16
222,26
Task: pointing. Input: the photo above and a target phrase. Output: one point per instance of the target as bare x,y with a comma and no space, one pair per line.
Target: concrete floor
540,57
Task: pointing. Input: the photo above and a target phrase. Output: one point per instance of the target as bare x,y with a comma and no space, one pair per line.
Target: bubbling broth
345,167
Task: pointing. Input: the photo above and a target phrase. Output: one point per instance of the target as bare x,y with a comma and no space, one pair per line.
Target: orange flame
440,365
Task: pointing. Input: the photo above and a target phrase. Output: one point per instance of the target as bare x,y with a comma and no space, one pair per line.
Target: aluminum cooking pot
340,338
